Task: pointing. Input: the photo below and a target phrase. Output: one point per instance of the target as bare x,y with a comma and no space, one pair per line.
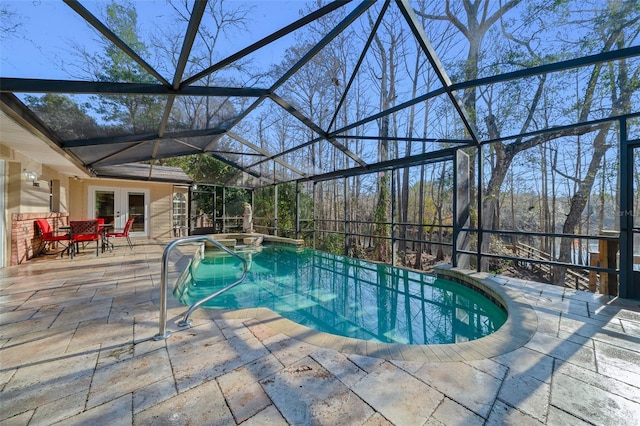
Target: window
179,214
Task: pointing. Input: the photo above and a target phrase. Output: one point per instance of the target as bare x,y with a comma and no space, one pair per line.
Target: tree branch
499,13
516,147
566,176
459,25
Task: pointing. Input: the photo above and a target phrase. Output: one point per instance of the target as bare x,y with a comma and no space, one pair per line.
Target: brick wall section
25,240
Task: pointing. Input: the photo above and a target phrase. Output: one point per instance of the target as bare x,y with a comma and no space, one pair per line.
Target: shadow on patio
77,348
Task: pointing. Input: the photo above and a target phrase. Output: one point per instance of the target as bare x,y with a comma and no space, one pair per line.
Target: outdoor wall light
30,176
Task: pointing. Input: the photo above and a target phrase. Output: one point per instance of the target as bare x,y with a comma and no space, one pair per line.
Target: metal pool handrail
164,278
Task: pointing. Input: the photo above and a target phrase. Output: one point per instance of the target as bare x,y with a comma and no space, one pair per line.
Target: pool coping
520,326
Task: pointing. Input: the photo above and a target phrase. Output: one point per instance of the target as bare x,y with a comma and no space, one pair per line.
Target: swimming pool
344,296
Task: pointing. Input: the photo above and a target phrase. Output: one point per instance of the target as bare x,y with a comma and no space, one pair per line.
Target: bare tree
618,27
9,22
385,55
228,19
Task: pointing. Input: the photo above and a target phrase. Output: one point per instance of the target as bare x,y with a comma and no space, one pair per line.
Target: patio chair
123,233
48,238
84,231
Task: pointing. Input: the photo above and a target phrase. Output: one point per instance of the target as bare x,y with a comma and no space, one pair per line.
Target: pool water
344,296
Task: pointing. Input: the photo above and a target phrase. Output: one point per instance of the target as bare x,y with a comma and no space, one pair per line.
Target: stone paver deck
76,347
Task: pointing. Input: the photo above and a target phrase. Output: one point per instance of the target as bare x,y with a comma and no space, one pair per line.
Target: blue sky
42,46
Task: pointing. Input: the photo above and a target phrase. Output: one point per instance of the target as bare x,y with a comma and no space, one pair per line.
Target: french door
116,205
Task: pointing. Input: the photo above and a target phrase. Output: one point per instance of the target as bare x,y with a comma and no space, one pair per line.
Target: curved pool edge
520,326
521,323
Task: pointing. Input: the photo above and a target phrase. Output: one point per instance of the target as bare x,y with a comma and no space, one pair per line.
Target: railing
573,279
164,278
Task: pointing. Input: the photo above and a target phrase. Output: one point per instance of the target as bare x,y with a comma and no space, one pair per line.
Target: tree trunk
578,203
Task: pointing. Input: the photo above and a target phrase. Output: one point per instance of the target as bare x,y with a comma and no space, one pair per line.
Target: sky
41,48
42,45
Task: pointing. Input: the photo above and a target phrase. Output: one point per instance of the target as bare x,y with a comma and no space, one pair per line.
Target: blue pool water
344,296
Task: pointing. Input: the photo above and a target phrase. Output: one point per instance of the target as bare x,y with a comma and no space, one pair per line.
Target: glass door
116,205
105,206
136,207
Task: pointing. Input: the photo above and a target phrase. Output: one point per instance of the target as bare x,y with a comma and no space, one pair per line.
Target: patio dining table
104,227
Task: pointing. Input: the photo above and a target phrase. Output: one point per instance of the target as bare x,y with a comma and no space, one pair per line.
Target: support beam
372,34
479,192
327,39
111,140
275,209
396,108
111,36
429,157
628,288
584,61
297,209
432,56
348,20
403,138
268,40
461,209
347,205
265,153
313,215
40,85
311,125
103,161
192,30
394,253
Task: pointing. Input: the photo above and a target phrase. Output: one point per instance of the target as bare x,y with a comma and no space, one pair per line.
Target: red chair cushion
46,234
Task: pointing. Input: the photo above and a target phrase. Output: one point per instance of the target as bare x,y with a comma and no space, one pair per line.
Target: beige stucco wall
160,200
21,196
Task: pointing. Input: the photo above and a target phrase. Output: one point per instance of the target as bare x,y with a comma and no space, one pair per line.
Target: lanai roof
287,91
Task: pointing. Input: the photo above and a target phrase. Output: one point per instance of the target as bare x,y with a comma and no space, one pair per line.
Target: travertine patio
76,347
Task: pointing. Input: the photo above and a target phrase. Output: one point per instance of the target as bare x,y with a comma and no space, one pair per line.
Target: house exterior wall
160,202
161,220
24,202
25,196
